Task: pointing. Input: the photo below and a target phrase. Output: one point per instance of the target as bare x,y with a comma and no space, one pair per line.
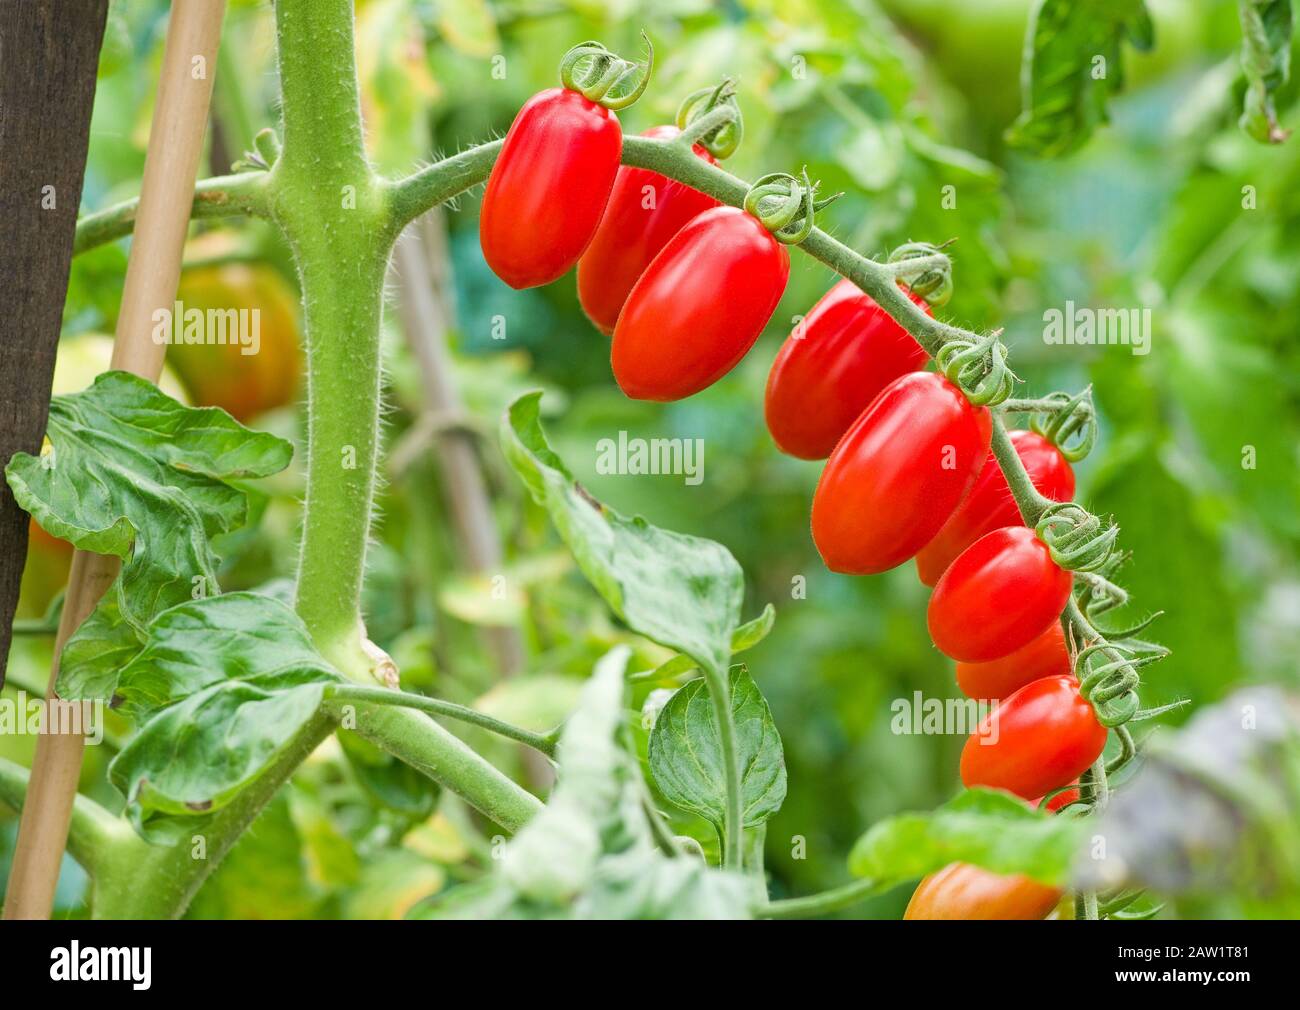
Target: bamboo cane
152,274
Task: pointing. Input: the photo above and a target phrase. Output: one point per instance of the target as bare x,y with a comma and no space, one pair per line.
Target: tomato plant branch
220,196
442,181
543,742
1028,500
341,220
733,817
435,751
879,280
328,202
818,904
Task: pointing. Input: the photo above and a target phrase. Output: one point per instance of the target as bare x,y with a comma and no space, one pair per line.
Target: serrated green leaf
686,754
220,688
192,759
237,636
135,474
680,591
748,635
1064,97
553,858
990,829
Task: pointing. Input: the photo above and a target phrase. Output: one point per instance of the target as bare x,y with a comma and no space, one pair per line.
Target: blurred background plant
891,102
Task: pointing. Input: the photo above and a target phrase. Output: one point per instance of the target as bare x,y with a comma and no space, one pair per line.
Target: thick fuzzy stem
333,209
719,686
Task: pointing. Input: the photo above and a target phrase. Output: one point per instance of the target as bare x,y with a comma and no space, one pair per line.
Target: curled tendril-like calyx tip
785,205
932,278
605,78
1077,539
1108,678
1071,425
722,140
979,367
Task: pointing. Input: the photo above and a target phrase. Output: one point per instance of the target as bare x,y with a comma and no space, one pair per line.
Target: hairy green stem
1028,405
543,742
338,218
332,209
1028,500
442,181
38,626
818,904
220,196
733,829
438,753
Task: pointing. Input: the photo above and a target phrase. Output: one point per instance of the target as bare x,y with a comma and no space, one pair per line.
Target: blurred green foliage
1169,207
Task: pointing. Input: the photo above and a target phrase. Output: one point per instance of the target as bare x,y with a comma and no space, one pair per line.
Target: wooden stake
153,272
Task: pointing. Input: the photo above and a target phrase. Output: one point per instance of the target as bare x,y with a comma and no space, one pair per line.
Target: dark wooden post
49,53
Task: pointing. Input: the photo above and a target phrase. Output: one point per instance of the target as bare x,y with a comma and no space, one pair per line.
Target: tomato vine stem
823,903
219,196
734,823
346,693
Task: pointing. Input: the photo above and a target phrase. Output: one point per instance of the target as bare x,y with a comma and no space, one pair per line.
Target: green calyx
786,206
605,78
1070,424
925,269
978,368
1108,680
1077,539
711,118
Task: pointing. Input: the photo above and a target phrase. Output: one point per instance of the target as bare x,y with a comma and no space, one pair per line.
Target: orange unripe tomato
1045,656
963,891
226,375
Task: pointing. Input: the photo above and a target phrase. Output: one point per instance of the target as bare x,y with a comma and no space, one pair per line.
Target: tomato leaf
990,829
1072,66
1266,27
681,591
221,687
196,756
590,854
686,755
237,636
135,474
